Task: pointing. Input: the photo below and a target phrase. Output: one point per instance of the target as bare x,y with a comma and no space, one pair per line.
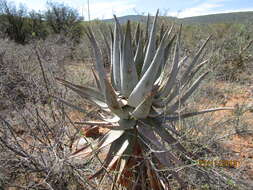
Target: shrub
65,20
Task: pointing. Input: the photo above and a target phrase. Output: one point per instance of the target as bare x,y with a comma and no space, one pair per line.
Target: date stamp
219,163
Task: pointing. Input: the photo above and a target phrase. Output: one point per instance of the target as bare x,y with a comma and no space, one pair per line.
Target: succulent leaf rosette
145,90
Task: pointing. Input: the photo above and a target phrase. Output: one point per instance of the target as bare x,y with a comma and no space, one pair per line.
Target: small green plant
137,99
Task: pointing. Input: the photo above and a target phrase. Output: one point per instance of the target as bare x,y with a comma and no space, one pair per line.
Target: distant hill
220,18
207,19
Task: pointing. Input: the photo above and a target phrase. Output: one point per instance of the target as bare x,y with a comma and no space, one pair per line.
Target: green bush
19,25
64,20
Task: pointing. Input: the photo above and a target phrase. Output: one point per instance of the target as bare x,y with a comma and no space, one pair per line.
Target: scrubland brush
139,99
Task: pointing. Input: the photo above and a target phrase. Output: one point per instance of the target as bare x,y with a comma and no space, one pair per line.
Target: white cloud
202,9
104,10
205,9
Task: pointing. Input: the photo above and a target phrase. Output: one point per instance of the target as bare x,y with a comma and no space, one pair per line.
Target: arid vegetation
42,122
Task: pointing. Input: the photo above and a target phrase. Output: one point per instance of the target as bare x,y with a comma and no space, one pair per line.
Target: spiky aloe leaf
128,72
111,119
150,52
123,147
165,55
175,67
164,134
138,58
147,28
107,44
186,115
137,35
164,96
162,30
119,26
163,102
116,57
116,150
142,110
112,101
96,79
124,159
146,83
70,105
156,147
90,94
194,72
99,65
188,93
194,61
106,140
82,90
109,138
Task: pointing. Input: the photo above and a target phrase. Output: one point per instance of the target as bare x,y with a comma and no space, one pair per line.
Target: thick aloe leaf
162,102
163,98
123,146
194,72
187,94
169,45
162,30
137,34
112,101
165,56
128,72
186,115
71,105
113,119
147,28
165,135
175,67
114,148
162,69
90,94
116,58
143,109
194,61
82,90
126,155
107,44
139,57
96,79
111,34
119,27
163,155
99,63
151,47
108,138
146,83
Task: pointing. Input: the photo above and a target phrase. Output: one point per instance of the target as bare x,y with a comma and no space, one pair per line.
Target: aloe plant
139,98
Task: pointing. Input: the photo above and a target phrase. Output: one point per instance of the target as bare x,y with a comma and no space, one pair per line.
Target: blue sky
181,8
